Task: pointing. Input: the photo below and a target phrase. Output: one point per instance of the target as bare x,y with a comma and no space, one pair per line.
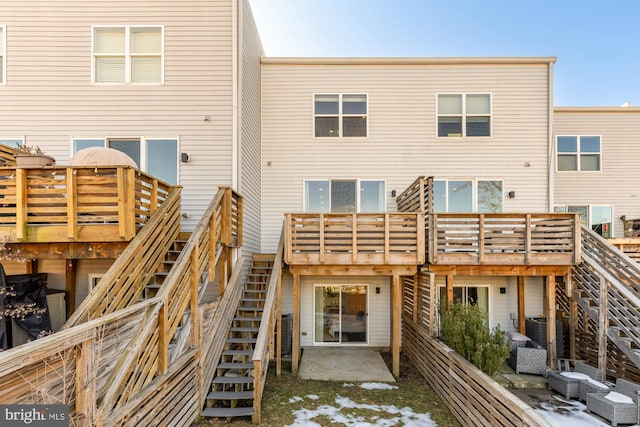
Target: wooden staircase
607,288
232,388
170,257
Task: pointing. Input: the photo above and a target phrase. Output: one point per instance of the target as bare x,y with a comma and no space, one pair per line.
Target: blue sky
597,43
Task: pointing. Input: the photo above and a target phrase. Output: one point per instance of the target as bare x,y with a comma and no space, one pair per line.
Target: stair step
237,353
244,329
247,319
153,285
235,365
230,395
242,308
252,299
228,412
241,340
255,291
232,380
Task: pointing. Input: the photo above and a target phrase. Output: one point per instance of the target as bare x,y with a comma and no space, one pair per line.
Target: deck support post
551,321
449,284
396,303
602,326
573,315
521,309
70,285
295,351
278,324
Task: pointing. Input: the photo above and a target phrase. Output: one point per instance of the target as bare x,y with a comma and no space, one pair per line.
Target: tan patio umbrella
101,156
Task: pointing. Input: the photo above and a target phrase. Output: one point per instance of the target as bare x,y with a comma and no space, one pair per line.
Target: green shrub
463,327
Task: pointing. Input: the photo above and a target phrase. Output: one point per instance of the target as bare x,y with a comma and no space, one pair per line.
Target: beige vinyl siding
52,100
619,131
249,185
401,143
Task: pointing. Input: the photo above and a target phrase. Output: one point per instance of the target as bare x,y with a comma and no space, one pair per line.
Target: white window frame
464,115
3,54
340,115
465,292
474,191
357,182
127,56
94,278
578,153
143,166
589,221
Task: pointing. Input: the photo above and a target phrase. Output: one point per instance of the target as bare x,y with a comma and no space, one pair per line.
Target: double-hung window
344,195
464,115
3,49
598,217
461,196
340,115
578,153
156,156
126,54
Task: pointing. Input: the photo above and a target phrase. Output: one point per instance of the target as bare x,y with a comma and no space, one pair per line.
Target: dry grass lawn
287,394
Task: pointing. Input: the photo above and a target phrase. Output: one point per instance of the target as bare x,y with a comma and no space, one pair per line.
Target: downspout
235,136
551,149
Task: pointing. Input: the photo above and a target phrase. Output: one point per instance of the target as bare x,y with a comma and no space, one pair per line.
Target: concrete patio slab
343,364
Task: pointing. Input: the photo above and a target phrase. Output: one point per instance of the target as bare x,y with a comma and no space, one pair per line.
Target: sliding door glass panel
343,196
460,196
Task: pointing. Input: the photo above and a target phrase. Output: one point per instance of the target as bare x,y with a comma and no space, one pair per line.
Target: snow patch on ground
378,386
295,399
399,416
567,413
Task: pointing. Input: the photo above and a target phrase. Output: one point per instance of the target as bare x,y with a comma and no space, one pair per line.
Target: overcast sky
597,43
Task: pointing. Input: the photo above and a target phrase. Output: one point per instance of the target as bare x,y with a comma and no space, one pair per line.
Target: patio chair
528,359
567,382
619,406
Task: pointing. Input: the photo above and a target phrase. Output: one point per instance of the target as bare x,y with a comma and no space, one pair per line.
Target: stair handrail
263,347
124,281
614,282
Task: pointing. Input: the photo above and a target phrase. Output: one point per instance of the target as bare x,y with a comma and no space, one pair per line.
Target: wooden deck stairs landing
232,388
607,288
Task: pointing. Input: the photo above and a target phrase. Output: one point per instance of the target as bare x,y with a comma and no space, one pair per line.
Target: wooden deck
503,239
77,204
345,239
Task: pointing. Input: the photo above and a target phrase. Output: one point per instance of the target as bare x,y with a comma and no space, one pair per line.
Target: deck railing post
240,216
72,204
527,239
21,204
86,381
163,343
481,240
213,244
194,284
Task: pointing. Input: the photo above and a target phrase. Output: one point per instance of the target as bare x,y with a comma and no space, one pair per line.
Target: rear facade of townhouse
346,196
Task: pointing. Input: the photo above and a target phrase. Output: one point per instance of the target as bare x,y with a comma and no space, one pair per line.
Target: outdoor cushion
575,375
618,397
517,336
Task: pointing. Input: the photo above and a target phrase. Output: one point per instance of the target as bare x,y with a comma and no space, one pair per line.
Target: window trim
357,181
578,153
340,115
3,55
474,191
21,140
464,115
143,166
589,207
127,56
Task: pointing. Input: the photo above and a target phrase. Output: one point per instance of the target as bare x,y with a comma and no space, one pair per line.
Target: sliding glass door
340,314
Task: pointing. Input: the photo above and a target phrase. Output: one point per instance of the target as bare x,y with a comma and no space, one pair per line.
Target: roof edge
406,60
596,109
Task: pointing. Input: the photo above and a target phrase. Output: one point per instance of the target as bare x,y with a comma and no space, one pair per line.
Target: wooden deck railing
111,364
504,239
77,204
264,348
374,239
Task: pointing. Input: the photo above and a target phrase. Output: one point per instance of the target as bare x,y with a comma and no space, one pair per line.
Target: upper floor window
344,195
462,196
156,156
578,153
598,217
464,115
128,55
2,54
337,115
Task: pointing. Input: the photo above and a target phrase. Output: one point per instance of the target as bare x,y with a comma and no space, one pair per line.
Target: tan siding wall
402,126
249,185
614,185
51,98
